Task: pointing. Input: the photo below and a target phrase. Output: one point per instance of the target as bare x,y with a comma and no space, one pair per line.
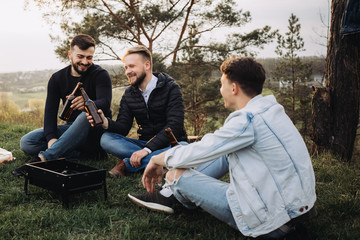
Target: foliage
162,26
293,73
199,81
36,103
9,112
41,215
317,64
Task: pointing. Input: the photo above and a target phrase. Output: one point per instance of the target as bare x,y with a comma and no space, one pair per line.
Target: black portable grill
65,177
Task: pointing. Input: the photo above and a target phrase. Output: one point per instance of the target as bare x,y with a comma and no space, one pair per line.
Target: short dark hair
248,73
83,41
139,49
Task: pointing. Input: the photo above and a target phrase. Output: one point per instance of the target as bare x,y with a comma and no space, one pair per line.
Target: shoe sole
114,175
152,206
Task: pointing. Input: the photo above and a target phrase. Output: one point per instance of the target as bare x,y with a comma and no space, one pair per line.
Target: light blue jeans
200,187
72,139
123,147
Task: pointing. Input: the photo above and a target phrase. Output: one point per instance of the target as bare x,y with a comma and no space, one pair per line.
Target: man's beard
138,80
76,67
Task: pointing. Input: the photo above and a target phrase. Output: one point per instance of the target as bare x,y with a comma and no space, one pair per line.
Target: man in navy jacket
155,101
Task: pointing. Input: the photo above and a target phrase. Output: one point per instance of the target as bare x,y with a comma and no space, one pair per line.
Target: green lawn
42,216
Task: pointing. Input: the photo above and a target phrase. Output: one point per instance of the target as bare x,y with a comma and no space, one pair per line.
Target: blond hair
141,50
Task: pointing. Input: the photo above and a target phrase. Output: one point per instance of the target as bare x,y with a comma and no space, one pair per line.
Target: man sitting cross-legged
155,101
271,175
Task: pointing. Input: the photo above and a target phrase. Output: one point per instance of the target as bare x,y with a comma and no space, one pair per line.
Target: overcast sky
25,43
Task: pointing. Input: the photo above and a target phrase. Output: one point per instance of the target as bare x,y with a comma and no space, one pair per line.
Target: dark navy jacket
165,109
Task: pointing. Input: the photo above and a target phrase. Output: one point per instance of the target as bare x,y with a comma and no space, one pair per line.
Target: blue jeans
72,139
200,187
123,147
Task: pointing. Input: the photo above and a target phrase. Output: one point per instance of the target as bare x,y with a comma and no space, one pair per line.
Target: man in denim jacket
271,176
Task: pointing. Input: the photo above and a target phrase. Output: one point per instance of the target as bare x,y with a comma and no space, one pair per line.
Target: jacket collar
162,78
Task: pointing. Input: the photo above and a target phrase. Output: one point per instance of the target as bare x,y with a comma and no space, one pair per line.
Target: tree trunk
341,95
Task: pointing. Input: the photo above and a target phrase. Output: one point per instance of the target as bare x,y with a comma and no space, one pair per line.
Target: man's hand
78,103
135,159
51,141
105,124
153,174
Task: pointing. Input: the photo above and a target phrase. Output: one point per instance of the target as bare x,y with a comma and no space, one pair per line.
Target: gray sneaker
155,201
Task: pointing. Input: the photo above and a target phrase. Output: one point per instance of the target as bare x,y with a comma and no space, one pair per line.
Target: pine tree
293,73
199,81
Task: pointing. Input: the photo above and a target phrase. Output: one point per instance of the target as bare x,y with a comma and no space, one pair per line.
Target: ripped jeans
200,187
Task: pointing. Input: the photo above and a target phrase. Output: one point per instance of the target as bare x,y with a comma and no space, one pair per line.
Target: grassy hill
42,216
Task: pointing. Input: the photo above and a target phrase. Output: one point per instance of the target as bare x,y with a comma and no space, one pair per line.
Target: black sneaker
155,201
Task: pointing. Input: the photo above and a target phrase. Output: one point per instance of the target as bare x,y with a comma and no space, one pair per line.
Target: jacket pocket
251,208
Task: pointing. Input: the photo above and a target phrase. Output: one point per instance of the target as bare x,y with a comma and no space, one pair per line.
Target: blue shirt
149,88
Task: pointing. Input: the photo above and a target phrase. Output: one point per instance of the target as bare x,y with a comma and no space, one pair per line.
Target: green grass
42,216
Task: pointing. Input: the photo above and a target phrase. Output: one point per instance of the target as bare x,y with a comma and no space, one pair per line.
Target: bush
10,113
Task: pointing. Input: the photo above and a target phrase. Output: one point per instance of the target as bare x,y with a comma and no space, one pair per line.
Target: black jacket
165,109
97,84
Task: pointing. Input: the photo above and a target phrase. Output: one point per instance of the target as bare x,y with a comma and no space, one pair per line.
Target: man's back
273,170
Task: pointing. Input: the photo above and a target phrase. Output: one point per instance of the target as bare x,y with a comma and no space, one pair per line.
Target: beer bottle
172,138
67,110
91,108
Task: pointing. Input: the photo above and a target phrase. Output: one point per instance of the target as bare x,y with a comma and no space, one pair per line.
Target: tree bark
341,95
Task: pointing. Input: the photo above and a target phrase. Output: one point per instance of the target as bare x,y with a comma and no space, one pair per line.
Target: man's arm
124,119
103,89
51,110
123,123
236,134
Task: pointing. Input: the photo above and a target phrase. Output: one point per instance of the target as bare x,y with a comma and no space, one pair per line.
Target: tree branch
170,22
183,29
198,103
111,49
121,22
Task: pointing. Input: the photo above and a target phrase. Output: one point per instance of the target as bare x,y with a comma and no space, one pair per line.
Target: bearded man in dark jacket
155,101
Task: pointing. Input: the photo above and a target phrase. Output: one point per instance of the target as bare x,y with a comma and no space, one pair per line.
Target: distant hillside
29,79
37,79
318,64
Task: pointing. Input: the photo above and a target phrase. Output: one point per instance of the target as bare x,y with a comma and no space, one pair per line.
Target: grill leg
105,190
65,198
26,184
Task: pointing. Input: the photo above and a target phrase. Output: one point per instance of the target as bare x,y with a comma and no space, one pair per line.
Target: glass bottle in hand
91,108
172,138
67,110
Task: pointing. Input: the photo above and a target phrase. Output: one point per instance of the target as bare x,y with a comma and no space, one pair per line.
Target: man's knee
23,144
105,140
110,141
174,174
31,145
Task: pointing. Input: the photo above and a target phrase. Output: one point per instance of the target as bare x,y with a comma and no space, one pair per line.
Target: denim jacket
271,174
